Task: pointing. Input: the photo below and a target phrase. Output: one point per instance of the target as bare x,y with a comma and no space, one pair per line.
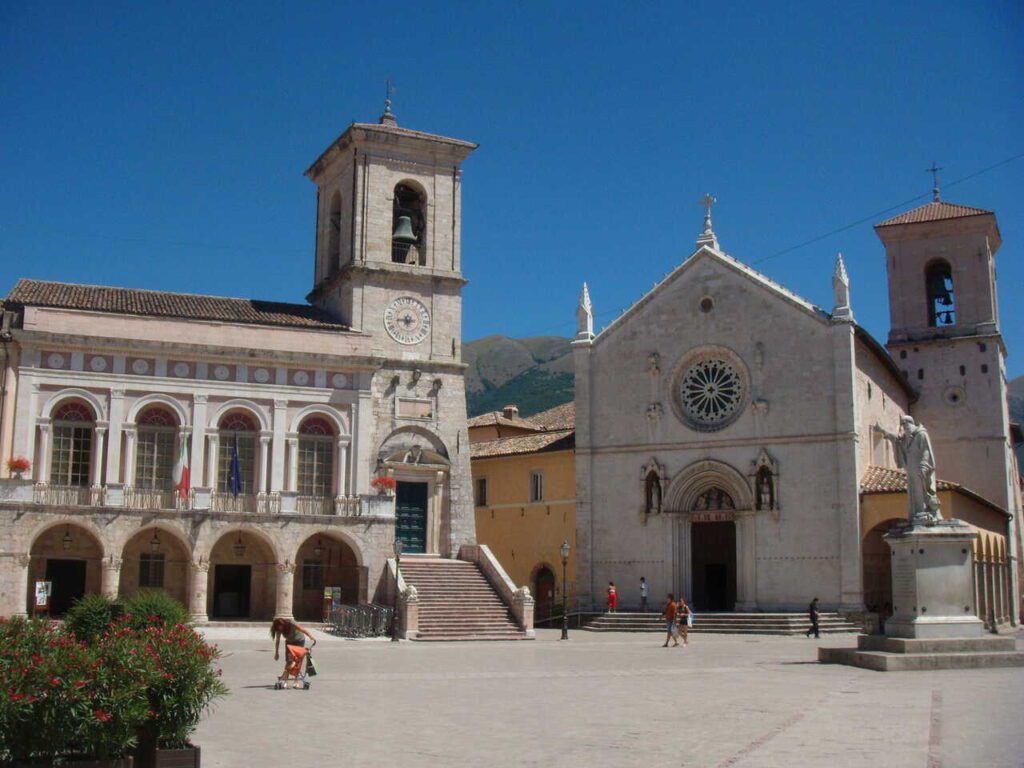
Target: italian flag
181,484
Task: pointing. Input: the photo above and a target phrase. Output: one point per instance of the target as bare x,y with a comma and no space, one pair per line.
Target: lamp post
564,549
394,615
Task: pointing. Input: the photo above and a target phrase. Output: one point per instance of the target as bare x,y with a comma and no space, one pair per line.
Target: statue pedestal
932,584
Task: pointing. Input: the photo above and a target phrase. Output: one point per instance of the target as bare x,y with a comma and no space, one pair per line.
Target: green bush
151,607
90,617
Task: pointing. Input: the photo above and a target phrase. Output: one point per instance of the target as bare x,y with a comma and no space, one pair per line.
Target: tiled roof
134,301
509,446
885,480
935,211
560,417
497,419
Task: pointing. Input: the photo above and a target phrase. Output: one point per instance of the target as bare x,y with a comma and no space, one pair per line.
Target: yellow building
524,489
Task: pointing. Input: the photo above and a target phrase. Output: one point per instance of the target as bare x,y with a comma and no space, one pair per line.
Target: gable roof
886,480
521,444
560,417
934,211
734,264
187,306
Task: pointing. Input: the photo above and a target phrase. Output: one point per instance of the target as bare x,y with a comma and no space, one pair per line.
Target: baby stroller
300,667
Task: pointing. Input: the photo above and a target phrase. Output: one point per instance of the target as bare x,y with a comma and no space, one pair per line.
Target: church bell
403,231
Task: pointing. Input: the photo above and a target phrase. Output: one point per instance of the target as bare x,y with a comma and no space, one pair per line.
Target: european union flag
235,480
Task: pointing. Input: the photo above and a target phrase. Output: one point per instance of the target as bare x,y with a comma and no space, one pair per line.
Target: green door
411,516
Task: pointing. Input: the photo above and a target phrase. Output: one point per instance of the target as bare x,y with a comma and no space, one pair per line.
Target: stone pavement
606,700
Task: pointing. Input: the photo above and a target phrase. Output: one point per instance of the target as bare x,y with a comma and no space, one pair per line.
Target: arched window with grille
155,449
71,457
237,428
941,298
409,225
316,457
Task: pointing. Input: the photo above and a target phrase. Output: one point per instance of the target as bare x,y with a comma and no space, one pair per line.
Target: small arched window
333,258
941,298
316,457
154,452
409,226
71,458
238,432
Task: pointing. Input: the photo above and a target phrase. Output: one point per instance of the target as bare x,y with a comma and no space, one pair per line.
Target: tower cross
707,201
388,117
934,171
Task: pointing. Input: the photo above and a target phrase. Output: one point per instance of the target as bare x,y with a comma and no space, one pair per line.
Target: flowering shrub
91,616
154,606
18,464
384,484
133,683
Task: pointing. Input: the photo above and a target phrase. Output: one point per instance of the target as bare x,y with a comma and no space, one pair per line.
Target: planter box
123,762
168,758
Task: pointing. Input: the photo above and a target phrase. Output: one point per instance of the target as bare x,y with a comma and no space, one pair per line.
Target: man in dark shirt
812,614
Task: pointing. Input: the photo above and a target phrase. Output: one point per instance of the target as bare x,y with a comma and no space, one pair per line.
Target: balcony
152,498
68,495
246,503
341,506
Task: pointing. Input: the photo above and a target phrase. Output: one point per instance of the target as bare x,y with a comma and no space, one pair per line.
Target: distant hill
534,373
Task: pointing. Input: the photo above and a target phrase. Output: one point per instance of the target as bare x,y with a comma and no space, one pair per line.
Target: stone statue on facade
914,453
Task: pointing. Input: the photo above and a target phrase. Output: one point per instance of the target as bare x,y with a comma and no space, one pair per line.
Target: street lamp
154,543
564,549
394,615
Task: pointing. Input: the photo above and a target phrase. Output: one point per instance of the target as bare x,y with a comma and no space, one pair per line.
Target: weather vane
388,116
934,171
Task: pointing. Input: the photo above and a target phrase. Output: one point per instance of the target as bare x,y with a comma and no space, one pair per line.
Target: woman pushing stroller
295,649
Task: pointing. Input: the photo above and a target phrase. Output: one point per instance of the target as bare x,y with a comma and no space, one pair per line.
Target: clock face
407,320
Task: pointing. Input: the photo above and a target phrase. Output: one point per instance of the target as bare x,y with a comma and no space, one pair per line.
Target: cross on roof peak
934,171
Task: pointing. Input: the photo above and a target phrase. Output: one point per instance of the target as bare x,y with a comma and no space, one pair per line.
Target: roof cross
707,201
934,171
388,117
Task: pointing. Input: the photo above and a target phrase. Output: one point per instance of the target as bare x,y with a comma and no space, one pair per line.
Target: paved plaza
605,700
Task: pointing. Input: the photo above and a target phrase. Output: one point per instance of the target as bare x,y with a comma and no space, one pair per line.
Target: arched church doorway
876,561
70,558
544,592
713,555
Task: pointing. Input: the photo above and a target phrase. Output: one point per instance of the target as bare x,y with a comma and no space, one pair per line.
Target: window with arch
237,428
938,280
409,226
71,458
333,257
316,457
157,429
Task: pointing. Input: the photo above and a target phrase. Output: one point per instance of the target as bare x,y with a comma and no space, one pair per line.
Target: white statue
914,453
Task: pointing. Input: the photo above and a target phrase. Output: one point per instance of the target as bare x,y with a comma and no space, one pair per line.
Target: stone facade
301,406
751,413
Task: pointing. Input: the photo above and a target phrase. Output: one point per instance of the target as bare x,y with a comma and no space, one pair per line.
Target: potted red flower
18,465
384,485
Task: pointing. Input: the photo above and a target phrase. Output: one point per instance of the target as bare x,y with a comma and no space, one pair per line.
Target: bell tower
387,237
944,336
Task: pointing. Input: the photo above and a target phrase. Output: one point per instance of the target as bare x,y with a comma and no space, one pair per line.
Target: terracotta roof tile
521,444
560,417
934,211
497,419
885,480
133,301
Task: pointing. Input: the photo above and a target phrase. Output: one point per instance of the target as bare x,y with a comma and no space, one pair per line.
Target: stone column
213,439
197,594
341,459
277,449
98,452
293,463
43,469
198,442
682,574
116,423
436,513
263,468
22,563
746,563
130,433
111,576
285,583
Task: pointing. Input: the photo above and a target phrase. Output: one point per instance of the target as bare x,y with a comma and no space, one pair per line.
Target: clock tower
388,264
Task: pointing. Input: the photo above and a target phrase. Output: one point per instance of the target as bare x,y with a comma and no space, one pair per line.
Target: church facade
725,427
283,415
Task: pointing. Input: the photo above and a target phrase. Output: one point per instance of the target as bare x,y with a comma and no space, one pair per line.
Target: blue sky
162,145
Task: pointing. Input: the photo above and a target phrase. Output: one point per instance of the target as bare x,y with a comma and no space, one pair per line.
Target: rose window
710,392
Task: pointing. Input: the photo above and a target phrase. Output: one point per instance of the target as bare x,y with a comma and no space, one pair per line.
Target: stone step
725,623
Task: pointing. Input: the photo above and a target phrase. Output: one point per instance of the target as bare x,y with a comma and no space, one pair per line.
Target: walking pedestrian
812,614
668,615
684,618
643,595
613,597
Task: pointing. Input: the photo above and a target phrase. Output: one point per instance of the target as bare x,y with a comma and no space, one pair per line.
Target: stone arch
169,566
74,569
81,522
73,393
157,399
338,564
876,568
701,476
242,585
405,438
337,419
544,589
240,404
204,549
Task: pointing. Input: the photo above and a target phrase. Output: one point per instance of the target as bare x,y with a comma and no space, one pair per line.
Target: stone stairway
725,623
456,602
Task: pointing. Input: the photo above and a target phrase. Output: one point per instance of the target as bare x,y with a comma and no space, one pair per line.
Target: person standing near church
812,614
643,595
668,615
613,597
684,619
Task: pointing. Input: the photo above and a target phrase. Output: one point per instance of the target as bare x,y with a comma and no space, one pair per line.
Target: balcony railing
68,495
342,506
152,498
